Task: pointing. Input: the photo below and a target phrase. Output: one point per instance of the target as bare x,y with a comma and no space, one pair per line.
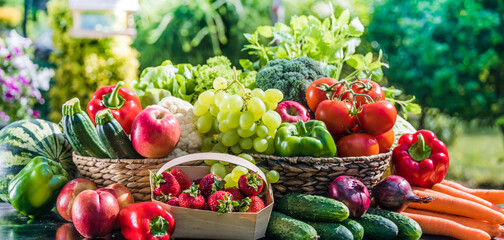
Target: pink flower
35,114
4,116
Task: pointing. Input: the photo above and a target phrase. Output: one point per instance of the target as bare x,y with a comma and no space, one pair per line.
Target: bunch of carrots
459,212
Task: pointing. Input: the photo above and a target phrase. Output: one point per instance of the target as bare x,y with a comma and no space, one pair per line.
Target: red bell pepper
146,221
122,102
421,158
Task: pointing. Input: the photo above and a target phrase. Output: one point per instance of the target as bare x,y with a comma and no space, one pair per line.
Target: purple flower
17,51
7,96
36,94
23,80
34,113
4,116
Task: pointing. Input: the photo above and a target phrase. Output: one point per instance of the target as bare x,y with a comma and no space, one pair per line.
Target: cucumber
80,131
284,227
332,231
312,208
114,138
354,227
377,227
408,228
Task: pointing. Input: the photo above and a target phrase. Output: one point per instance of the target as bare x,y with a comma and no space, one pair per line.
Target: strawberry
174,201
221,201
197,181
206,207
182,178
250,184
210,184
191,198
256,204
237,195
165,184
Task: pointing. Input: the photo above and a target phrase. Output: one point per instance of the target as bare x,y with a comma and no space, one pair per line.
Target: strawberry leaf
193,191
254,181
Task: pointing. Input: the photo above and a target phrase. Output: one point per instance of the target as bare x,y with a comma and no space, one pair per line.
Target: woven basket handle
213,156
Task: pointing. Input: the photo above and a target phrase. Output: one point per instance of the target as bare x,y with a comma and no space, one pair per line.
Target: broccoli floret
292,77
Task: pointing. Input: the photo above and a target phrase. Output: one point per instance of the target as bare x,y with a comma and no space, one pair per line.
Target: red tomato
357,144
385,140
377,117
375,92
315,95
336,116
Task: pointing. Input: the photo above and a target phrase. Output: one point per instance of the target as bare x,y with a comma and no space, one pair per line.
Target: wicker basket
314,175
132,173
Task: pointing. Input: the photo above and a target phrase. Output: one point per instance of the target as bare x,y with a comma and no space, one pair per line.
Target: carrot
461,194
492,195
445,227
493,229
444,203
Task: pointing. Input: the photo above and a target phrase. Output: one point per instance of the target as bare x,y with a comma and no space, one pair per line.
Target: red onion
394,193
352,193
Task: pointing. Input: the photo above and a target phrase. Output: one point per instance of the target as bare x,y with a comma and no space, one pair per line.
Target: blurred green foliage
83,65
448,53
477,158
363,9
191,31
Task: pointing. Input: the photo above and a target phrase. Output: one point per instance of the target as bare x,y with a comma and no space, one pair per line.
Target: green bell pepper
309,138
33,191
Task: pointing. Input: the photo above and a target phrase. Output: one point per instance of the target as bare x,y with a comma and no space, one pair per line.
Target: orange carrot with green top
445,227
495,230
444,203
492,195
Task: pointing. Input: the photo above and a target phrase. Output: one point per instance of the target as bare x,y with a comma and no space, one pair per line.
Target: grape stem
235,80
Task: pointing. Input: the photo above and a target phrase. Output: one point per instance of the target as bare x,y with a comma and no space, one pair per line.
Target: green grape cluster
231,173
241,122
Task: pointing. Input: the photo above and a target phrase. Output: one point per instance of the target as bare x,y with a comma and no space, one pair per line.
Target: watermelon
25,139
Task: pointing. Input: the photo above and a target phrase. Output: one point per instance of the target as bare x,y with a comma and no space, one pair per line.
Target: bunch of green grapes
231,174
242,122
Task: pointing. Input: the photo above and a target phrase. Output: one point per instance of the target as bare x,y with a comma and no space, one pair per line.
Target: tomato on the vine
356,145
314,95
336,116
374,91
377,117
385,140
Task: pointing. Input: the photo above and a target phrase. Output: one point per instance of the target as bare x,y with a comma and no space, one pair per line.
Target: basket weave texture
132,173
310,175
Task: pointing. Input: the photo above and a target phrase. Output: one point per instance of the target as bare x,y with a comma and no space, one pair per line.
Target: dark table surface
14,225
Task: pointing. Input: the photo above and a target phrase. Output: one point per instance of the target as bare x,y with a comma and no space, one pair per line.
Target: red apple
291,111
122,194
155,132
69,192
94,213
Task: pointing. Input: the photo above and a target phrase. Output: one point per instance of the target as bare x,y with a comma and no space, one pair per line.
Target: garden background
447,53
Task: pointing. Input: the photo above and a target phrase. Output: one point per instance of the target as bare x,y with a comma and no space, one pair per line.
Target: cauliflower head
190,138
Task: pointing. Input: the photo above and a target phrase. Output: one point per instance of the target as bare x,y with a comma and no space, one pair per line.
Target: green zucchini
281,226
377,227
331,231
312,208
408,228
113,137
354,227
80,132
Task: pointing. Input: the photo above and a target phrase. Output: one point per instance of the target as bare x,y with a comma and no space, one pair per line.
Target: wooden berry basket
132,173
310,175
204,224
